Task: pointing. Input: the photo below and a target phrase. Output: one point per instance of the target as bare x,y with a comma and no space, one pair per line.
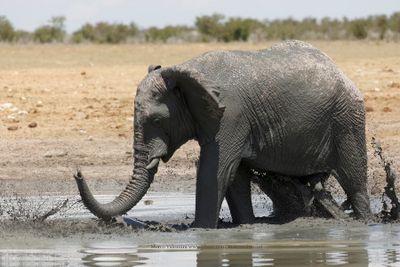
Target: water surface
304,242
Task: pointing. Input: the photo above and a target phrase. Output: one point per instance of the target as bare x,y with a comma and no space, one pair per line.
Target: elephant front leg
212,181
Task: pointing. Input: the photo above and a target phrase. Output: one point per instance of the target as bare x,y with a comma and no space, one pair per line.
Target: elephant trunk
138,185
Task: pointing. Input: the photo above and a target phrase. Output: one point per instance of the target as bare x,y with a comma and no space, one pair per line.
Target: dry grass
69,89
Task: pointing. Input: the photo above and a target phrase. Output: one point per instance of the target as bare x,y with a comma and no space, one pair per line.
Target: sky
29,14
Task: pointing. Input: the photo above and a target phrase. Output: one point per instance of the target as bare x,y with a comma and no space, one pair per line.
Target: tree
382,25
358,28
23,36
6,30
104,32
85,33
58,22
394,22
53,32
111,33
154,34
238,29
283,29
210,25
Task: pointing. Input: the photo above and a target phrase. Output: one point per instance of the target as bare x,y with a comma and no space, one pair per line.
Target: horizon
145,15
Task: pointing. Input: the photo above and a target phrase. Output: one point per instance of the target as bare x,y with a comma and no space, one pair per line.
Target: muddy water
303,242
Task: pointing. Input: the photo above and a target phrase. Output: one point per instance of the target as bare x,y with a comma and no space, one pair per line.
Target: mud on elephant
286,110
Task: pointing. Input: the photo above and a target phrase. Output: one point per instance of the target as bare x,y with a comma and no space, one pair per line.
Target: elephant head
172,106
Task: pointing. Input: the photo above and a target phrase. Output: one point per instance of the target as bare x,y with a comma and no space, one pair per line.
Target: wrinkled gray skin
287,110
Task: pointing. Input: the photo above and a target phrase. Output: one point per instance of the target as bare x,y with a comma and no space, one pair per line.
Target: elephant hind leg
351,172
238,196
291,197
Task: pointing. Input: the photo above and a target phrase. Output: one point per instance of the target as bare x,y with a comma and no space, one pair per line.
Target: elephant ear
151,68
201,95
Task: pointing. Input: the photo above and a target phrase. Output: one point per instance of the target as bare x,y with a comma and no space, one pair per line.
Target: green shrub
215,27
382,25
154,34
53,32
282,29
233,29
394,22
237,29
6,30
358,29
210,25
23,36
104,32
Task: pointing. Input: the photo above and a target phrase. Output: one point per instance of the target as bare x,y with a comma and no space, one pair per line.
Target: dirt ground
63,106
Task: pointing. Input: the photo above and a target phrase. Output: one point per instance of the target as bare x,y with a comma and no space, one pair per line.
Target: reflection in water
25,257
285,253
382,251
111,256
267,253
217,257
303,255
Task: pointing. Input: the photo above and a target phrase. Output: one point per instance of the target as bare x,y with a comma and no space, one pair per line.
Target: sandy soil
63,105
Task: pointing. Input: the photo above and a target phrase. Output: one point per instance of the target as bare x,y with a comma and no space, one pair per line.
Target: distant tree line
212,28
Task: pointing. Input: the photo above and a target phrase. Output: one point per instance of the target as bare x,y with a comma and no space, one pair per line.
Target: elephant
287,109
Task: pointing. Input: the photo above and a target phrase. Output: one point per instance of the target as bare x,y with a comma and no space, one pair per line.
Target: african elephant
287,109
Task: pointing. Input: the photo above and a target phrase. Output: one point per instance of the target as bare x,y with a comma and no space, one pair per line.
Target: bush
394,22
23,36
237,29
210,25
382,25
358,29
215,27
155,34
6,30
54,32
104,32
85,33
282,29
234,29
331,29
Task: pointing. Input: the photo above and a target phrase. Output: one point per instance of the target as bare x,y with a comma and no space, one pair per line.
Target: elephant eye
157,122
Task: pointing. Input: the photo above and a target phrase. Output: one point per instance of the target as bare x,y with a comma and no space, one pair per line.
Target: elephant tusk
154,162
